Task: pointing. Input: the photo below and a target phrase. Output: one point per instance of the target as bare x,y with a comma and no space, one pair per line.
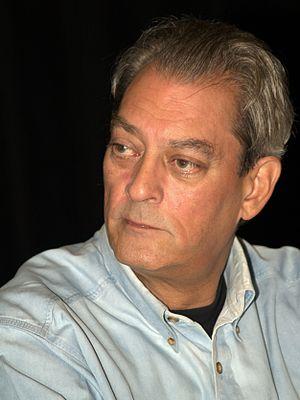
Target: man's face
173,196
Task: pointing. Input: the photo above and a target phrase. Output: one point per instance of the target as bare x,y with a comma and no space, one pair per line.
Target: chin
135,262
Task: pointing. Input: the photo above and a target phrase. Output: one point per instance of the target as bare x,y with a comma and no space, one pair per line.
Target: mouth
139,225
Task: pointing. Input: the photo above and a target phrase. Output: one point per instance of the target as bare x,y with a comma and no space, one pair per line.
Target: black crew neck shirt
207,316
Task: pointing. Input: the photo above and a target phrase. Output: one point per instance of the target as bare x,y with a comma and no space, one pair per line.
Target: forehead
162,107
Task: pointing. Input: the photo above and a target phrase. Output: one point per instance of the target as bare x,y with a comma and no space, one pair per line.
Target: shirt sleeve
15,385
30,368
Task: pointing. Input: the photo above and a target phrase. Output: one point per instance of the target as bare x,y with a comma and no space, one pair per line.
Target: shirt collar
240,289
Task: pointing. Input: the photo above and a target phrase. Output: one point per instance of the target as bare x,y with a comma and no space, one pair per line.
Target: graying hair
190,49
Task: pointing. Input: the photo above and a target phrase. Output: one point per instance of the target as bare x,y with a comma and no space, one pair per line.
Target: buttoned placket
170,321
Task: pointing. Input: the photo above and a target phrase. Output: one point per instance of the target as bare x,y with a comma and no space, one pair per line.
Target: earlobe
259,186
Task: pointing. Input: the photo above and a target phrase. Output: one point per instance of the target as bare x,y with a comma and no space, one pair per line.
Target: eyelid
192,164
114,144
190,159
130,151
196,167
120,138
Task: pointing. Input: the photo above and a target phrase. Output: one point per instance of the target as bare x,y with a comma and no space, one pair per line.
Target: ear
259,185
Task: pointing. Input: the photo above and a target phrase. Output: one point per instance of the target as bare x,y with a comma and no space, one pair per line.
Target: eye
123,151
119,148
186,166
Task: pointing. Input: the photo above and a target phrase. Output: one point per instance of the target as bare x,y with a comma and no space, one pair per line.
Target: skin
173,196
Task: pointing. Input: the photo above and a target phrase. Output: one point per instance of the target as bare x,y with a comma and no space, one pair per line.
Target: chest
130,359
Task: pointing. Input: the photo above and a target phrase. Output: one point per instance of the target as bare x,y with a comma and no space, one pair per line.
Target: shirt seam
91,294
24,372
42,334
264,276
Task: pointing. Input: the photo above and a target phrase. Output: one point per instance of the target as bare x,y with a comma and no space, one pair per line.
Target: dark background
56,63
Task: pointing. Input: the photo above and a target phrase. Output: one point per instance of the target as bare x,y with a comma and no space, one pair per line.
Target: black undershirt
207,316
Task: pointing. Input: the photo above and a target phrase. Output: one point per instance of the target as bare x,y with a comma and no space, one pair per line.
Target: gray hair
190,49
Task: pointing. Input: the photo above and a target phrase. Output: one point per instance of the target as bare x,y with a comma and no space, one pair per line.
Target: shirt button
219,368
173,319
237,329
171,341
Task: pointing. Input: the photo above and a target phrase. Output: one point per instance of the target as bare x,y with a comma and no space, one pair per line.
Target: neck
180,291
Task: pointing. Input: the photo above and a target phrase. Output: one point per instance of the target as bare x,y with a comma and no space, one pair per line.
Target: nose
146,183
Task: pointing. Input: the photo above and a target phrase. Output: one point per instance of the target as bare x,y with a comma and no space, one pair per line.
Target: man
164,302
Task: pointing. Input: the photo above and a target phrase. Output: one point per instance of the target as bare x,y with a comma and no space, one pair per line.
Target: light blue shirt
76,324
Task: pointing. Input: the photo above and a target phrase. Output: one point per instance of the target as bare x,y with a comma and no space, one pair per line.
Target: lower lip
139,226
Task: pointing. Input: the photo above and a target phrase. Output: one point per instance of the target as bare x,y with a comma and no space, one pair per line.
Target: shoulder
44,310
276,277
52,280
282,263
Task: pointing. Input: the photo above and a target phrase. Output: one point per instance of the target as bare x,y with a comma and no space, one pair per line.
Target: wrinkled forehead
166,97
181,88
218,78
161,109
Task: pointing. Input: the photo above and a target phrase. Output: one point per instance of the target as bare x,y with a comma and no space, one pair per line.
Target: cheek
188,202
187,210
115,182
198,210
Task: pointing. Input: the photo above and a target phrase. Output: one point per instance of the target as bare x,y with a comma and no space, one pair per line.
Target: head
201,118
190,49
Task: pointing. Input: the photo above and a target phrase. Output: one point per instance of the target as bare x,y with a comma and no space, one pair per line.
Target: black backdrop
56,61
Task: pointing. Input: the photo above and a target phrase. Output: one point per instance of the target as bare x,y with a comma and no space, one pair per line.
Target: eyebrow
118,121
198,145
